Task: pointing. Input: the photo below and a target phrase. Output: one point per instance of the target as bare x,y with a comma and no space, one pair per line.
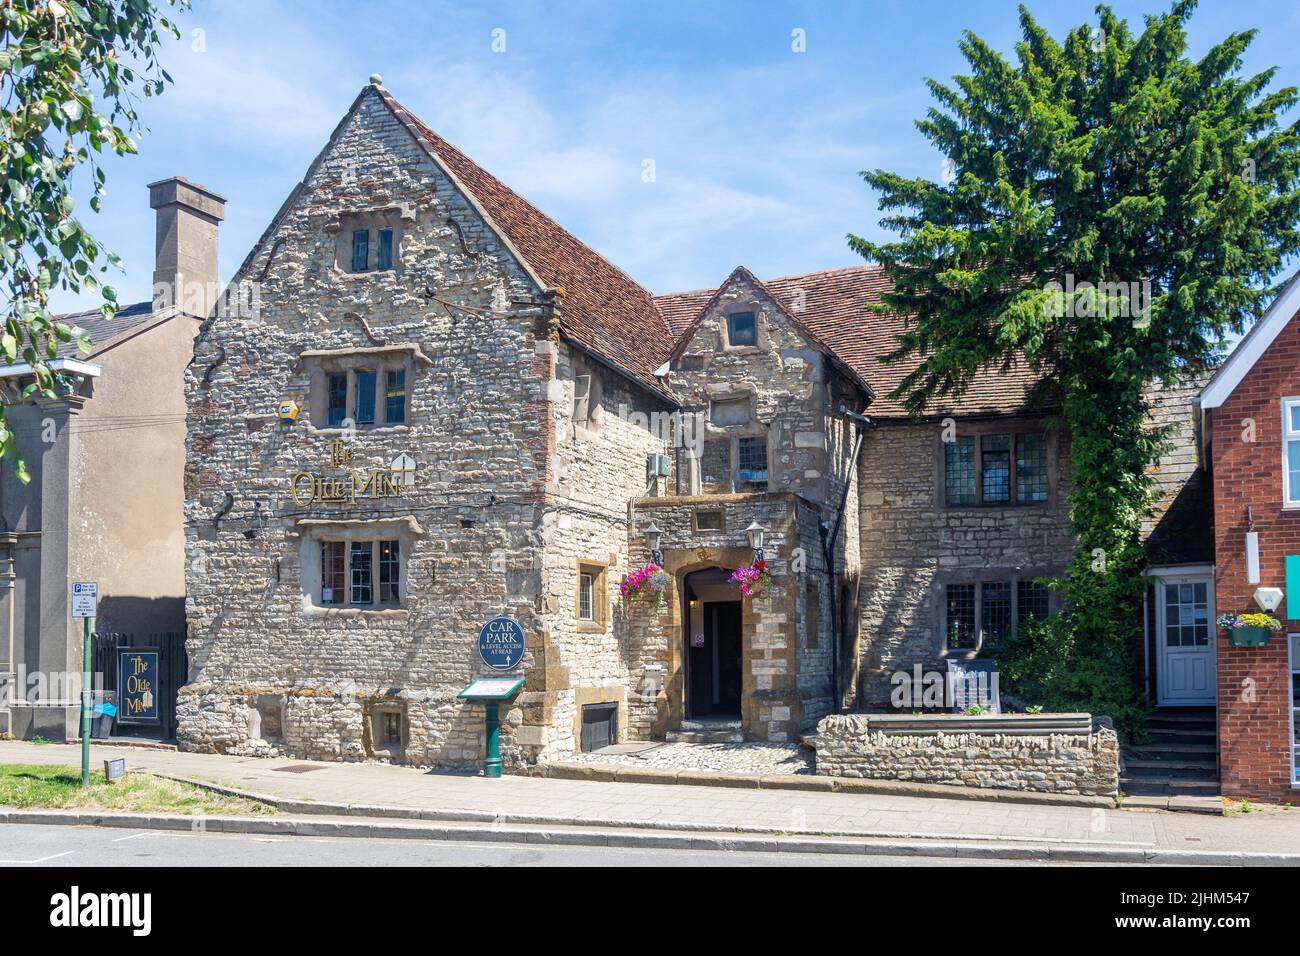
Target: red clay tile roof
602,308
607,313
835,308
789,305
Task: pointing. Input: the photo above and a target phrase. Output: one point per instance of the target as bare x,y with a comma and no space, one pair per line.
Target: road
59,846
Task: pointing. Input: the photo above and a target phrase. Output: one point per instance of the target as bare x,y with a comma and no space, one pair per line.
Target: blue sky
756,148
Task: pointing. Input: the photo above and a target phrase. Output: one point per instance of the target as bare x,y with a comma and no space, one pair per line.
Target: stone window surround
754,428
733,439
994,426
319,363
724,326
311,532
397,218
722,521
599,622
939,602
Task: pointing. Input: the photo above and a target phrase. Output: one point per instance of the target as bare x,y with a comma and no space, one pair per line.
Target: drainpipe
1146,639
861,423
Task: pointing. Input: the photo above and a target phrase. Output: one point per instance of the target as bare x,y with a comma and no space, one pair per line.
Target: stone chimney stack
185,248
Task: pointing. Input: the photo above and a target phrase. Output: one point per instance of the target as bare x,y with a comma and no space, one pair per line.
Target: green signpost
492,691
84,599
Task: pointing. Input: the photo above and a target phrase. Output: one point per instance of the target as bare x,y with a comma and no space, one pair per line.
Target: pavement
66,846
590,810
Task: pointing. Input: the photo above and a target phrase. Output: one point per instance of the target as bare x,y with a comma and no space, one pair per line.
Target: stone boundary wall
1010,755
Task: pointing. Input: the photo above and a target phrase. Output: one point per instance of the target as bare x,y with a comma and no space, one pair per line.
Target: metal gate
173,672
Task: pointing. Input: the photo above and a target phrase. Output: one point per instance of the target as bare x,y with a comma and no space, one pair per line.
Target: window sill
591,627
368,274
329,431
363,613
741,350
1002,506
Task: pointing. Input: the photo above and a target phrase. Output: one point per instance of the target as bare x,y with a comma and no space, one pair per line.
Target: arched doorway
714,656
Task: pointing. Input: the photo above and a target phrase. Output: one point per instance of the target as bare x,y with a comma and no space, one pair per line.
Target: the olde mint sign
501,643
137,686
309,488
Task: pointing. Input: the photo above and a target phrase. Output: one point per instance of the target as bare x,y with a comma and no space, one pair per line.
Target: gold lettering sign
307,488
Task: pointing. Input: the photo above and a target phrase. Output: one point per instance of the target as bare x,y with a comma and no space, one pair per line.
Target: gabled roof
607,314
602,310
1251,348
686,330
833,305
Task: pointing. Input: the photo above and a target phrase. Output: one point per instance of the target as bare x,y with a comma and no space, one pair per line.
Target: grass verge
54,787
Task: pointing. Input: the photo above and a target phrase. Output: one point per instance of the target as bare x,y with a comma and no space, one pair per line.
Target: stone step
1203,720
1143,750
1132,789
1176,712
1161,738
1168,782
1171,762
704,737
134,743
1183,728
707,724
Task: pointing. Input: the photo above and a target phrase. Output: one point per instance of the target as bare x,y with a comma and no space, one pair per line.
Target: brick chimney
185,248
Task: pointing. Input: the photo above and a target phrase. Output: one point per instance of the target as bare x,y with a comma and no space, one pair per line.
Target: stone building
493,420
104,503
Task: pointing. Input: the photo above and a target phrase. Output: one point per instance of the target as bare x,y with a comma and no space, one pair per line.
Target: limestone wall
865,746
476,428
912,544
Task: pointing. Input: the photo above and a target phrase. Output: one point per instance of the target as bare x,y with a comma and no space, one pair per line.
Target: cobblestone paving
756,758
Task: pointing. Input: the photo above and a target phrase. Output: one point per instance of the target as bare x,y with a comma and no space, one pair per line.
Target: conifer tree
1114,210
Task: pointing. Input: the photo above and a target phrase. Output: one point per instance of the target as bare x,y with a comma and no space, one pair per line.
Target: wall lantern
755,535
652,536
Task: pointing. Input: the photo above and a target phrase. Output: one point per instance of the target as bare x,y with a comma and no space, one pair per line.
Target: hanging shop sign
501,643
309,488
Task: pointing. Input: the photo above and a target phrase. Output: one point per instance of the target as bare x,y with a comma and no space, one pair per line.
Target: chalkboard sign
974,684
137,686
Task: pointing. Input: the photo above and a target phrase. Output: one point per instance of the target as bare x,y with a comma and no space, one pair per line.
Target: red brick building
1250,435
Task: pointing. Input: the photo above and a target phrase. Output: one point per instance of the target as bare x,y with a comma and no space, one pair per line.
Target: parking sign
84,595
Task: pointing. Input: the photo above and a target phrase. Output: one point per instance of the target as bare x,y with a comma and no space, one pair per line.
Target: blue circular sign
501,643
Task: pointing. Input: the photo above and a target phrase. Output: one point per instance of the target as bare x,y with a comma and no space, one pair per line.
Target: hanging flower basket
752,579
1249,630
647,585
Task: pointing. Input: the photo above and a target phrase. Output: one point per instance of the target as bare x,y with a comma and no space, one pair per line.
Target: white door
1185,638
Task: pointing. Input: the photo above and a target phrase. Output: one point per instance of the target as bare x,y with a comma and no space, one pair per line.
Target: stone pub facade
493,420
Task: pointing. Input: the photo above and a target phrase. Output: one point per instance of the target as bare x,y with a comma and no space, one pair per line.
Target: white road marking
131,837
53,856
